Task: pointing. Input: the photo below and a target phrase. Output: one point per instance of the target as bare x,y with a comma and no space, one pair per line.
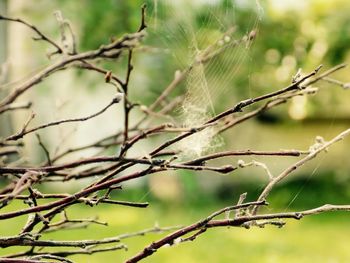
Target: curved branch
24,132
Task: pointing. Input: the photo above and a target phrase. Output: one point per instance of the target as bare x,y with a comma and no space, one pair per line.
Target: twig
11,260
46,151
337,82
242,104
9,151
237,108
143,18
128,144
50,256
13,107
298,164
88,251
243,164
89,66
110,50
325,74
127,106
20,185
213,156
238,221
60,204
29,240
36,30
170,239
64,23
24,131
67,223
89,201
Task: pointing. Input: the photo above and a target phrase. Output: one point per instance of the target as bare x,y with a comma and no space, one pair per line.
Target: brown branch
127,106
298,164
223,169
104,143
12,107
36,30
237,222
46,151
89,66
237,120
9,151
29,240
213,156
244,103
11,260
98,159
59,204
202,58
54,168
143,18
229,123
50,256
98,144
237,108
67,223
126,42
170,239
110,168
88,201
337,82
87,251
128,144
91,250
65,24
19,186
125,203
293,215
325,74
178,77
24,131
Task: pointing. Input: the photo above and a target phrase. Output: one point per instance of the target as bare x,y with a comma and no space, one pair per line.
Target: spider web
192,30
203,36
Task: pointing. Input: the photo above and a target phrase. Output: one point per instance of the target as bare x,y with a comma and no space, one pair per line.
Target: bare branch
237,222
213,156
12,107
36,30
24,131
170,239
115,160
298,164
111,50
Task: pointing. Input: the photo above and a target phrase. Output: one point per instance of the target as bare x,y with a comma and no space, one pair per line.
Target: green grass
321,238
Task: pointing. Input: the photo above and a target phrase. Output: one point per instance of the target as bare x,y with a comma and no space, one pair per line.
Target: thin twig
237,108
36,30
46,151
298,164
24,131
238,221
109,50
213,156
12,107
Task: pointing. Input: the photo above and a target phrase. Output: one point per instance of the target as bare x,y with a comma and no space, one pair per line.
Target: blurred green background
290,35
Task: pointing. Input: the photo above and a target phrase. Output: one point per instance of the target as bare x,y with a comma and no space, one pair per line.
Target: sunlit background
290,35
